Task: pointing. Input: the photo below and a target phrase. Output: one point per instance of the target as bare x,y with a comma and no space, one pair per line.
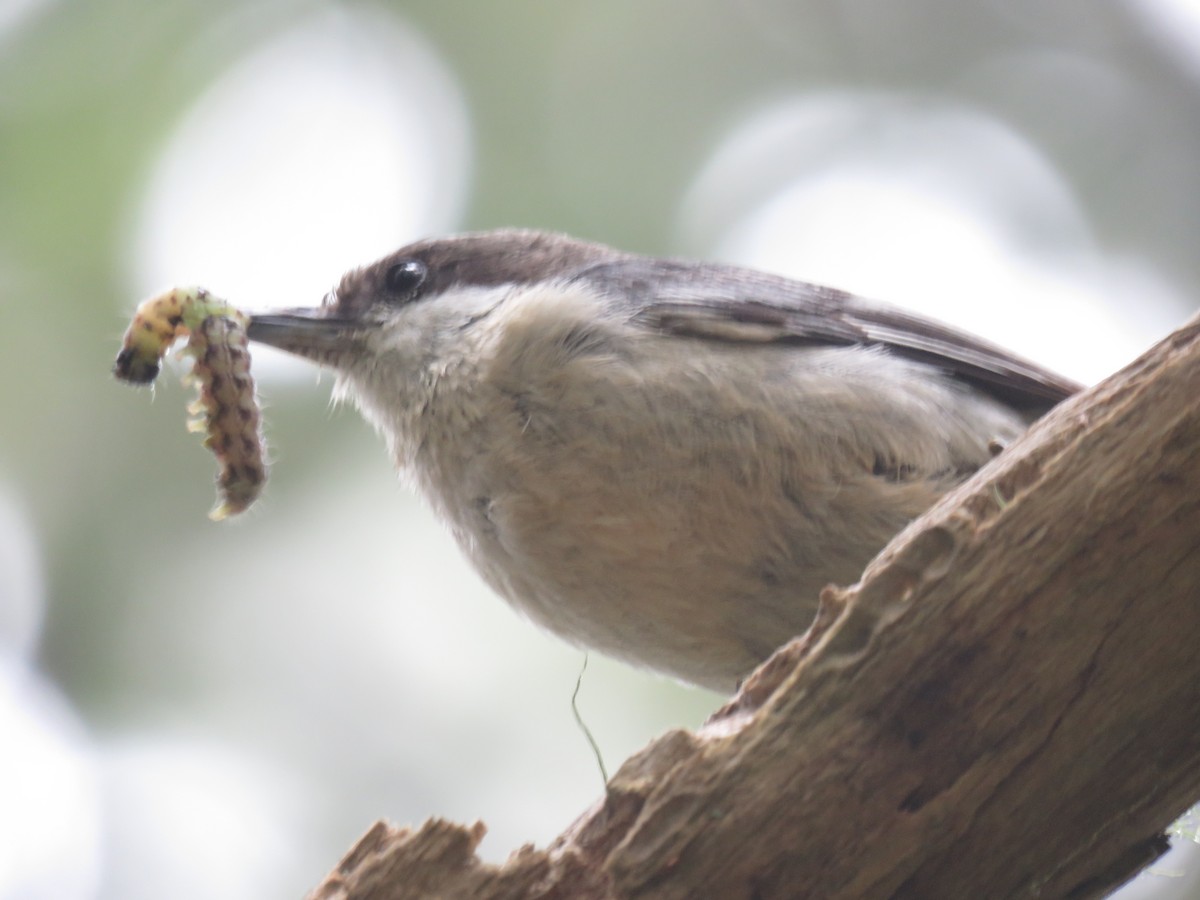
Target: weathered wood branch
1007,705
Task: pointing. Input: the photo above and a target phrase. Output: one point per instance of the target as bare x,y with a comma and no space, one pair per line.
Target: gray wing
728,303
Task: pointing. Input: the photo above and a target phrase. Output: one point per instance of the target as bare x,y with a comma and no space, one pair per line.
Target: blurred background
198,709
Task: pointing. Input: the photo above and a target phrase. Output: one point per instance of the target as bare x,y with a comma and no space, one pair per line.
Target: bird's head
410,301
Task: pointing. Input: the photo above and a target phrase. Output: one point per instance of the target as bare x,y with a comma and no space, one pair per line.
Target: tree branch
1008,703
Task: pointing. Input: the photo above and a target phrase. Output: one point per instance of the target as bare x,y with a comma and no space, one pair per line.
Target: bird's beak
310,332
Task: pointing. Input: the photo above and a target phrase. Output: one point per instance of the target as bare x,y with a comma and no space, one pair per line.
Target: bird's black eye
404,278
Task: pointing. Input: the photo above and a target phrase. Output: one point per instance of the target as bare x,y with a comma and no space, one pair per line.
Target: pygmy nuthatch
663,460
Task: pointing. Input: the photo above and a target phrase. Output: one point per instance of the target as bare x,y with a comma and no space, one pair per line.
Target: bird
664,460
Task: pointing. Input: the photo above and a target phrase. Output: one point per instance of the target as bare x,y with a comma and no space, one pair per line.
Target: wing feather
727,303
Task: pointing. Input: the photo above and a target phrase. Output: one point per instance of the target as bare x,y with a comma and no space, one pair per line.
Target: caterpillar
227,408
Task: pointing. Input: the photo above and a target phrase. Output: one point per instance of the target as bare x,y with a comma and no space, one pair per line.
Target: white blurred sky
1176,27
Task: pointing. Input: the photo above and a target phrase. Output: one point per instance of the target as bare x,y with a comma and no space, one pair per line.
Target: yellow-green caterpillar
227,409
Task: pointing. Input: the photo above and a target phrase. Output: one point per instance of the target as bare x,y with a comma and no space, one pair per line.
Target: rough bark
1007,705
